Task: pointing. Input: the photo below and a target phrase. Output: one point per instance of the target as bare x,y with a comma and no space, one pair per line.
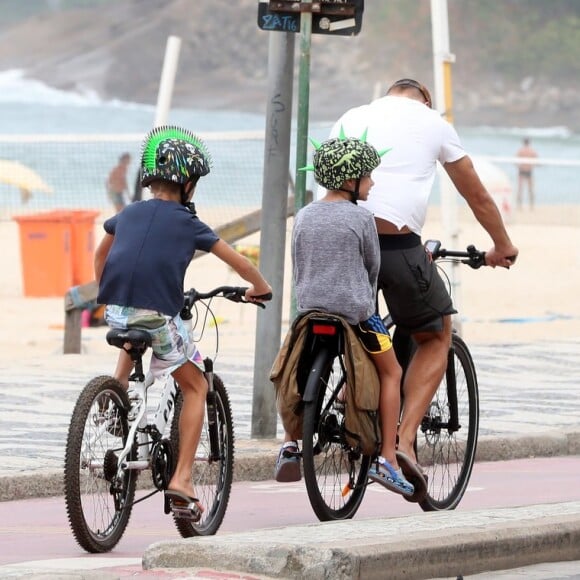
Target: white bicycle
113,436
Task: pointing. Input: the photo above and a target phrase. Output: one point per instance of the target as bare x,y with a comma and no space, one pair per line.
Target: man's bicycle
446,442
113,436
335,471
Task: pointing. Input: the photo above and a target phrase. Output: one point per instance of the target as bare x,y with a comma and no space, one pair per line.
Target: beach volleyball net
41,173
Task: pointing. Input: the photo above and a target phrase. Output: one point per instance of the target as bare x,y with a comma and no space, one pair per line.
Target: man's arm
467,182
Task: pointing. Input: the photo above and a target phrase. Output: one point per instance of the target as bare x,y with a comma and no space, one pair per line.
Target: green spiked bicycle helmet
173,154
342,158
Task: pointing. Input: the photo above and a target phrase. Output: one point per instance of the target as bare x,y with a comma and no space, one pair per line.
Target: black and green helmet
173,154
341,158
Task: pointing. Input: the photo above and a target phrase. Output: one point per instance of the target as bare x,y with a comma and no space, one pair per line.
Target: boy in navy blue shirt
140,266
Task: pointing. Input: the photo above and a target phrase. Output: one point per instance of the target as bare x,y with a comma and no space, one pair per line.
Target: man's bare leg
422,379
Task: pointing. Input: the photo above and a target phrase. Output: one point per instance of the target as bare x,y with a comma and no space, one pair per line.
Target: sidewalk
529,406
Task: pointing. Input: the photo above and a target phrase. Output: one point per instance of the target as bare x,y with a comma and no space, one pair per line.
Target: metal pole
303,114
273,226
164,94
167,81
303,106
442,60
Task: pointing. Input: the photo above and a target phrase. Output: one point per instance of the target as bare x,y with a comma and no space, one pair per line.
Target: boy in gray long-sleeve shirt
336,257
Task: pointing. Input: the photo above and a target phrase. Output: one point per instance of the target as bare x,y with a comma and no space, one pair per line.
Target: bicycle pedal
185,512
182,506
292,454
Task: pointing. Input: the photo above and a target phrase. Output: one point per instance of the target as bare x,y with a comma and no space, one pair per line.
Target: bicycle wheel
446,443
98,502
335,474
212,477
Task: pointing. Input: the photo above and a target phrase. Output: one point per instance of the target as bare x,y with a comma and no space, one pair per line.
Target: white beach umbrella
21,176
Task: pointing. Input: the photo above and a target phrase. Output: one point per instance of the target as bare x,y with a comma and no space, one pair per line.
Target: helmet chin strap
183,194
354,194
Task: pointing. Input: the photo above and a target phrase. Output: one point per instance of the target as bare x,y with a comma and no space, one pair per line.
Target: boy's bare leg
124,368
194,390
389,373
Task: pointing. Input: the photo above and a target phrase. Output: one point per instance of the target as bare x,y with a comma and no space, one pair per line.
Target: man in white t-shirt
415,294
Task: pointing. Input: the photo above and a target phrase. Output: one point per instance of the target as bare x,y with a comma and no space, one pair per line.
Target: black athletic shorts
415,293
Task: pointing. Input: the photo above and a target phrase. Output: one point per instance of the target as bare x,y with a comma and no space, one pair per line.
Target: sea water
29,107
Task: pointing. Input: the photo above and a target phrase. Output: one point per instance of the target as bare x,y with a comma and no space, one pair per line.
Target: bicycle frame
322,333
141,431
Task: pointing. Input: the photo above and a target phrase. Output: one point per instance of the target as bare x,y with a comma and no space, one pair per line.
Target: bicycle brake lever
233,296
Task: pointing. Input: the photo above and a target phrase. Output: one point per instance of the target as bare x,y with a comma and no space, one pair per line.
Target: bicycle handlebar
473,257
233,293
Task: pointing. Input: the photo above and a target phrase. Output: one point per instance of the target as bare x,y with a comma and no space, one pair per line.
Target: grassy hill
517,60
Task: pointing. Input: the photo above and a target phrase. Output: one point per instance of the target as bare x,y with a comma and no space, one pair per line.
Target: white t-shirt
418,137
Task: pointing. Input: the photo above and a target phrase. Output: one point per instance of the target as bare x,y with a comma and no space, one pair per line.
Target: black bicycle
447,438
335,470
114,435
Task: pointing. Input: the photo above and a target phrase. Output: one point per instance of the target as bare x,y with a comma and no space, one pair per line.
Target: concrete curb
443,544
255,459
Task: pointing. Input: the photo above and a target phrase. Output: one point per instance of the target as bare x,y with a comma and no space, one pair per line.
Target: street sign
336,17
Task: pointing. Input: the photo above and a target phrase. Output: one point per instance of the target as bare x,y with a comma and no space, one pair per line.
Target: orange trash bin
45,250
83,246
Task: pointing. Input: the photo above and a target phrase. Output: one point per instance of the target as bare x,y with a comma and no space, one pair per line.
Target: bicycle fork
451,379
211,405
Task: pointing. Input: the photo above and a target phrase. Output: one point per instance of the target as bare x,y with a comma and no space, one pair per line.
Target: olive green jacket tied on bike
362,388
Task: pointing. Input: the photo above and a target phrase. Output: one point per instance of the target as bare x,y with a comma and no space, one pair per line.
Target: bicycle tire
212,480
448,454
98,503
325,451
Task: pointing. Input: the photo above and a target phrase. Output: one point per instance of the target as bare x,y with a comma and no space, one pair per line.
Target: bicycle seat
139,340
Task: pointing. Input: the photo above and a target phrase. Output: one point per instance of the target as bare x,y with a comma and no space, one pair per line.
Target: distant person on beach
117,187
525,173
416,296
140,267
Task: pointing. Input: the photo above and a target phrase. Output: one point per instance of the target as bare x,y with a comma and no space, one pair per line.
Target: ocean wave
556,131
17,88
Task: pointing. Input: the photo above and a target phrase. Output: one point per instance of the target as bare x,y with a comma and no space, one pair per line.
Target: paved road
525,390
267,504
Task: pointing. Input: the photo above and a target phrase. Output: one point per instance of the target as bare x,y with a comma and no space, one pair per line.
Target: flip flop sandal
414,475
182,505
392,481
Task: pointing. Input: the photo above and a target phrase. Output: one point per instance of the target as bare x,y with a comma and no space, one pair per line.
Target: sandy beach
536,300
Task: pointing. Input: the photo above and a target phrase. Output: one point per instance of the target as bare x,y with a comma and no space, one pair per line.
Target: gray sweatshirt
336,259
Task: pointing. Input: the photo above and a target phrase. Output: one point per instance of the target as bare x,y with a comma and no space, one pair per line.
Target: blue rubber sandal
393,479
